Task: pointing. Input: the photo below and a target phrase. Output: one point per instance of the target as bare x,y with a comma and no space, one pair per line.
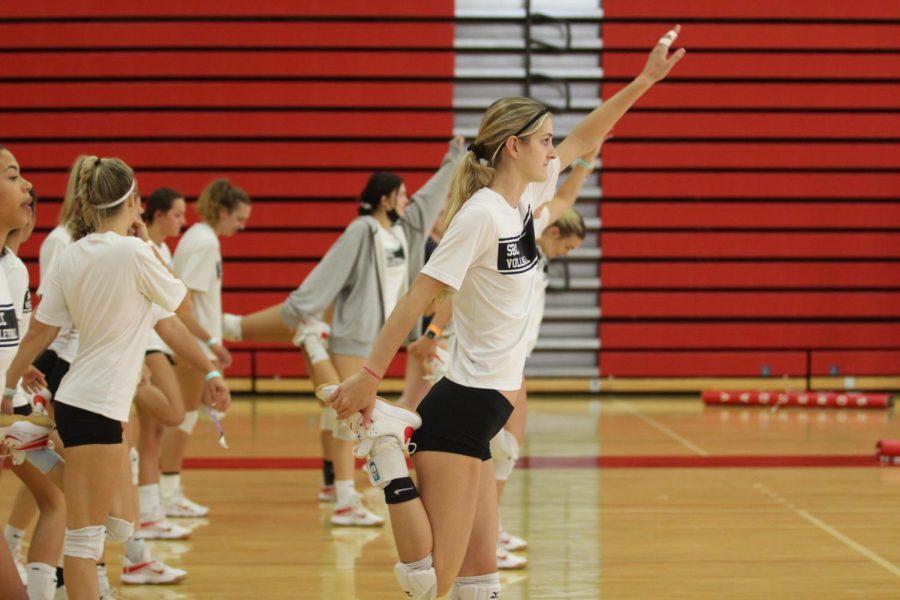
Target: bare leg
162,377
92,477
24,509
10,585
47,540
481,555
342,450
516,426
174,440
265,326
439,522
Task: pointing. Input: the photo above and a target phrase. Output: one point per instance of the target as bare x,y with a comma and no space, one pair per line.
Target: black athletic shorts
168,356
54,369
460,419
79,427
23,410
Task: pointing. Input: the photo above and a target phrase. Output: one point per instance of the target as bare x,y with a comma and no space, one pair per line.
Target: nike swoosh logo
397,492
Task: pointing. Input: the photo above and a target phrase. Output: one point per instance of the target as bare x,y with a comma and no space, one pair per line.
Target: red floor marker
888,451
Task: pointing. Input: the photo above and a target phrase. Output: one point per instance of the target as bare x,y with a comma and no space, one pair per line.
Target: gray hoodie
352,272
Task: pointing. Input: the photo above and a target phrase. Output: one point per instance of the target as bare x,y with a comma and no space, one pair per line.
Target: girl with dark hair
362,275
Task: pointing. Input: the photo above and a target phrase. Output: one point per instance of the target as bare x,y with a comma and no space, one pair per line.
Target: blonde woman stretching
445,525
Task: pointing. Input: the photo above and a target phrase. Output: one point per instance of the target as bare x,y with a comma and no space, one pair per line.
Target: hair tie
120,200
478,150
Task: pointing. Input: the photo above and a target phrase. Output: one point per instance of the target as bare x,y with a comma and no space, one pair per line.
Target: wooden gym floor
683,502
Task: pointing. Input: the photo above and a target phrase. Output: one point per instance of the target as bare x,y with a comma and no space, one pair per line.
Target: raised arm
567,193
591,130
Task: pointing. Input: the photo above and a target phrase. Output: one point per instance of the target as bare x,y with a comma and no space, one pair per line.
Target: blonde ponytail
95,183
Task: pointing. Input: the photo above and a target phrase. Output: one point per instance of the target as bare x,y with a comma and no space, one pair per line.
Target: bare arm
39,337
185,312
567,193
357,393
590,131
176,335
424,347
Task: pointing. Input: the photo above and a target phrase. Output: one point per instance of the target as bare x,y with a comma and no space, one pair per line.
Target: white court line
851,543
657,425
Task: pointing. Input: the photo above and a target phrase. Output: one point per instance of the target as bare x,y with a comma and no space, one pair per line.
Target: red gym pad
888,447
801,399
888,451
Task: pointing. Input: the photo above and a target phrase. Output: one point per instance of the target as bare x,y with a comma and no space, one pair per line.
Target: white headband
120,200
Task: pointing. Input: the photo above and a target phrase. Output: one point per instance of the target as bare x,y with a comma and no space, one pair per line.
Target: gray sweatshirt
352,273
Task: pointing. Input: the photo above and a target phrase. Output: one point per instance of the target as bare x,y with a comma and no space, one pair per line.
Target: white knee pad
133,455
190,420
86,542
505,452
118,530
343,432
480,587
329,419
418,580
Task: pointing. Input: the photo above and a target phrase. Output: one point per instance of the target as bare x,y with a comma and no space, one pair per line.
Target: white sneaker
387,420
355,514
149,571
162,530
21,434
511,542
314,328
507,561
179,506
327,493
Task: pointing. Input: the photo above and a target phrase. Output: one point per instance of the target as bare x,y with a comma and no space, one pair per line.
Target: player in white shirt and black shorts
224,210
107,281
445,525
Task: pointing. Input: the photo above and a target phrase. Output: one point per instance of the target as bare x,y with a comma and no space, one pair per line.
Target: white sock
169,485
315,349
134,549
41,581
232,328
345,490
13,537
151,509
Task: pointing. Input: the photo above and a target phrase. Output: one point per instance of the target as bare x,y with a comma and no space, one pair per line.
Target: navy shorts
79,427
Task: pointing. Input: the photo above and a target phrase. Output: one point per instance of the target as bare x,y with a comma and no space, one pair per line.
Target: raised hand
659,63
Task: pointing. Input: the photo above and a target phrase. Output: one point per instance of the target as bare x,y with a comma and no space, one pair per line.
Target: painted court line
577,462
660,427
822,525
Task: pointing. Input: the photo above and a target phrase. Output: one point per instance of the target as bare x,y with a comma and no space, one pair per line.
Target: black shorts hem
80,427
458,419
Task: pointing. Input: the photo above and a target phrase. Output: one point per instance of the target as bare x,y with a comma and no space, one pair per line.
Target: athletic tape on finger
669,38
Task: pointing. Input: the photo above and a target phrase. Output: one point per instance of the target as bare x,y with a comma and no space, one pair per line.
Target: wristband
372,373
212,375
9,392
580,162
211,342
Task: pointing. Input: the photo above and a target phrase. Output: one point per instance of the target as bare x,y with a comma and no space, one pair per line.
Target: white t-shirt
395,268
198,262
9,326
541,281
154,342
107,283
489,255
66,343
17,282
